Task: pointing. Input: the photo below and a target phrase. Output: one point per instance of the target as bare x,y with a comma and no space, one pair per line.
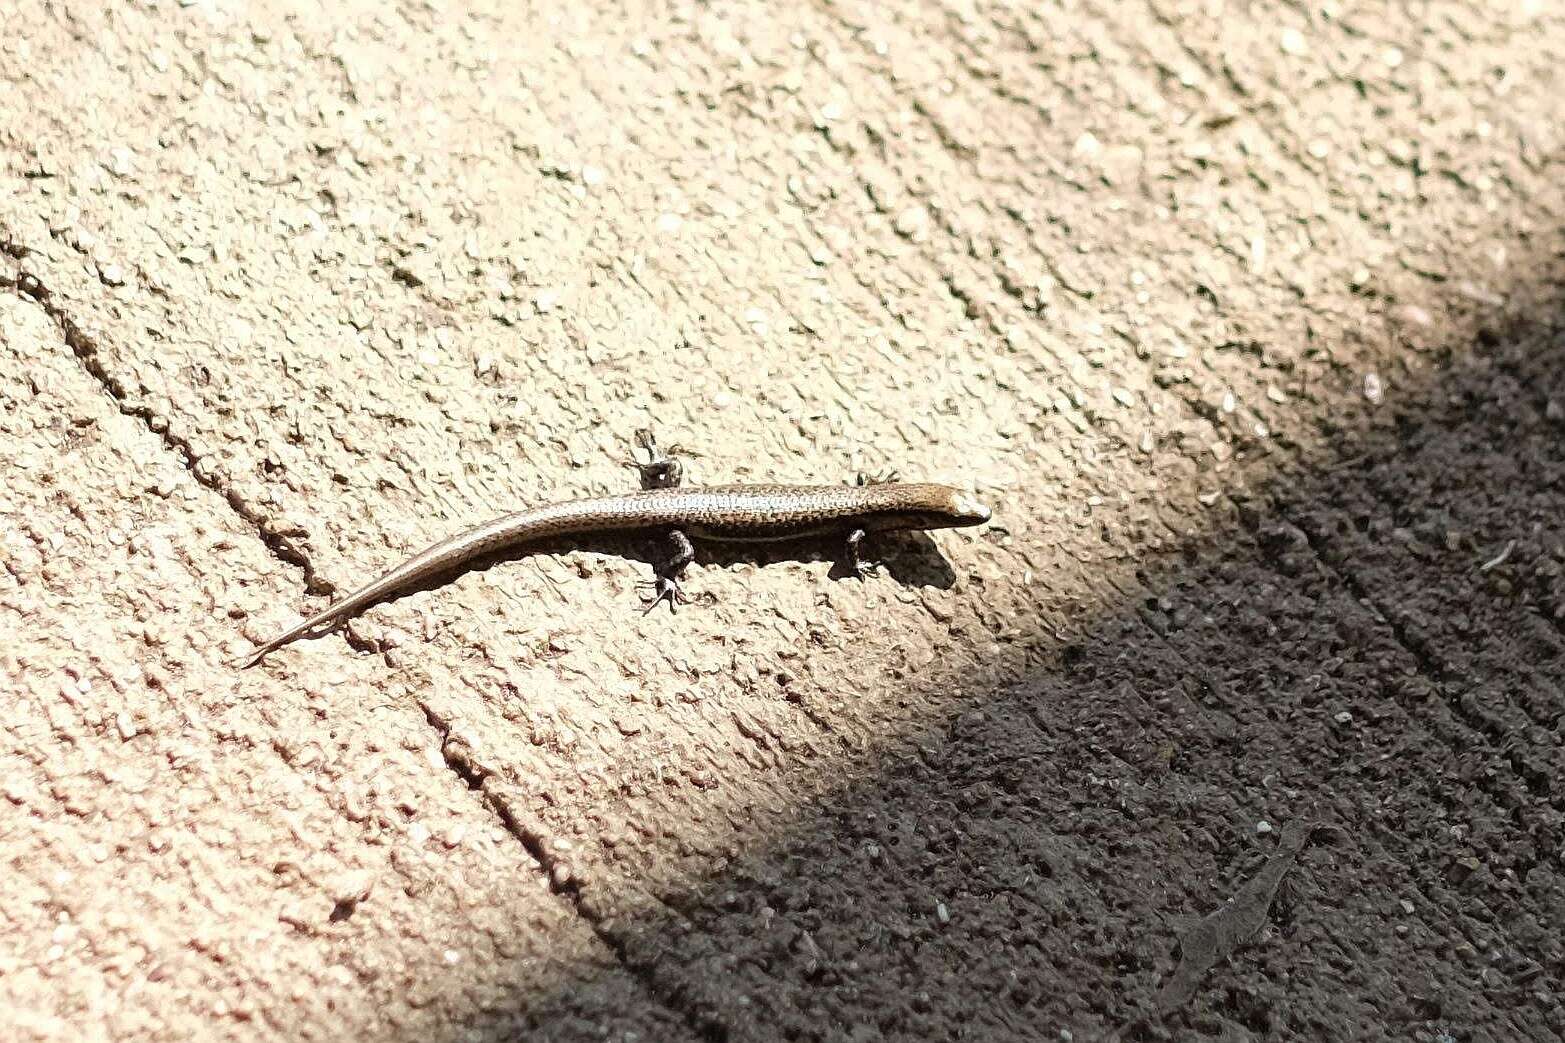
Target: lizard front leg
662,470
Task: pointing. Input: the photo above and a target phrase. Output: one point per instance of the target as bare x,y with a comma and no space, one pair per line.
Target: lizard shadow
909,558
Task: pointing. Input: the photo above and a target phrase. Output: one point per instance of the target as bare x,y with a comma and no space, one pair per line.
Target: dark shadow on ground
1375,648
910,558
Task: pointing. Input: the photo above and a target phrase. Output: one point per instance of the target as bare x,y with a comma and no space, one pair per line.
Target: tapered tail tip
249,659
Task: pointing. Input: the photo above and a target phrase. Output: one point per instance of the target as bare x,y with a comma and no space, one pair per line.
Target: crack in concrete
87,352
456,754
538,844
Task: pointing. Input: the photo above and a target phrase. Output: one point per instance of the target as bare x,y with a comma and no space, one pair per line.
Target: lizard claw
862,569
666,589
857,565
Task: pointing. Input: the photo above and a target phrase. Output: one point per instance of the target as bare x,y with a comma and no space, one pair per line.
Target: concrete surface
1243,719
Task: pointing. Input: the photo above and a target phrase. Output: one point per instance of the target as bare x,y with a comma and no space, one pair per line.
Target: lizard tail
245,662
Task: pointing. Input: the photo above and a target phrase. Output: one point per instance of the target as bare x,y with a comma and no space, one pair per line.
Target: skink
726,513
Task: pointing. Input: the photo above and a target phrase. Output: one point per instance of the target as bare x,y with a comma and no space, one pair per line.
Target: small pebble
122,162
1263,827
1414,315
1374,391
913,223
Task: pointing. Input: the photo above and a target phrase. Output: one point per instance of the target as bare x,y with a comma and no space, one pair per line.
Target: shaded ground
1242,720
1352,656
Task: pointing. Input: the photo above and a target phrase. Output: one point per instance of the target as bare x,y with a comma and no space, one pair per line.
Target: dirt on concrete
1242,719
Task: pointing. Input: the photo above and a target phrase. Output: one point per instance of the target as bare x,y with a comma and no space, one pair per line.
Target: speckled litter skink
726,513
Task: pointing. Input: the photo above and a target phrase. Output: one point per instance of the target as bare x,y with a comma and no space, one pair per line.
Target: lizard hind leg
853,554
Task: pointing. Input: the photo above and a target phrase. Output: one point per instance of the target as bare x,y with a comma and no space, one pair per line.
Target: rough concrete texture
1243,719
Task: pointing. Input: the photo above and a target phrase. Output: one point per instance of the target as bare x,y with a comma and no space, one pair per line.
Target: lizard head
931,506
